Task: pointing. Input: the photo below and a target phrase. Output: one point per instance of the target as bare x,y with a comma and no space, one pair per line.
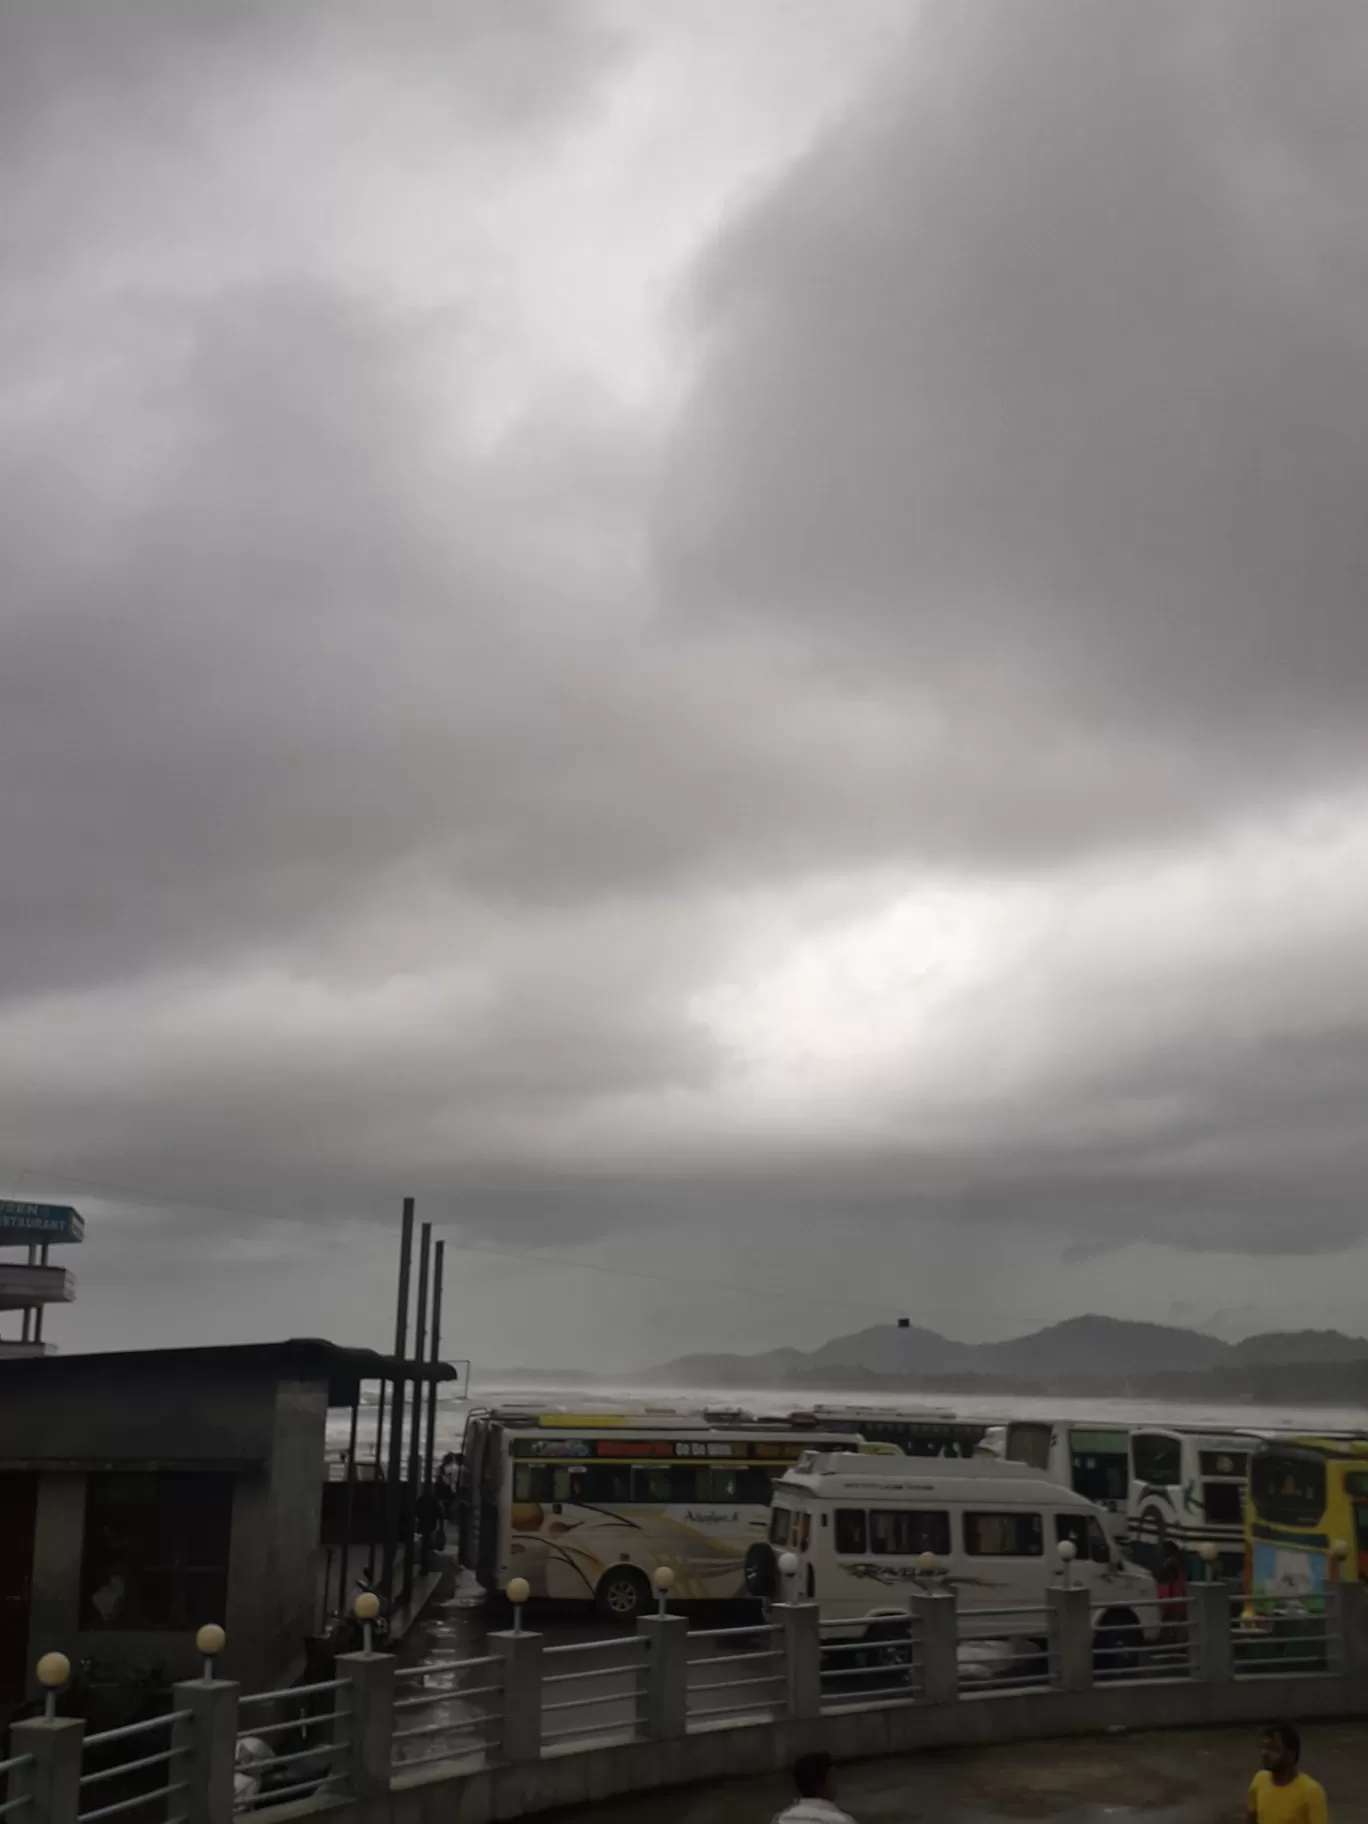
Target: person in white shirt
816,1802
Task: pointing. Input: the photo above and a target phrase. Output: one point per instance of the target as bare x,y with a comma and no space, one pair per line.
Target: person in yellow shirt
1280,1792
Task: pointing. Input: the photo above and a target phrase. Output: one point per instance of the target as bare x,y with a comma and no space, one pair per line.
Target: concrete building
145,1493
29,1286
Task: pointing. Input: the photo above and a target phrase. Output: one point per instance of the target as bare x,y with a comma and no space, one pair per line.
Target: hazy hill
1082,1354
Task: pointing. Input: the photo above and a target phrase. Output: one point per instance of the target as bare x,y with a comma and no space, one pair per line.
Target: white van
860,1529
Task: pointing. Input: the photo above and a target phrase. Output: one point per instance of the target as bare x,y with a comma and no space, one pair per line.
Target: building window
156,1550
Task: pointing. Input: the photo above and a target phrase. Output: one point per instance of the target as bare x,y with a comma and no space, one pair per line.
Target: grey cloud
1035,397
382,789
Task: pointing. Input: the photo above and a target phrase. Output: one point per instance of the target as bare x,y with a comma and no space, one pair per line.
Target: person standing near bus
1280,1793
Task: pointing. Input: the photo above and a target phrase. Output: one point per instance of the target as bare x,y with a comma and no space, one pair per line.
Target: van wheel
622,1594
1116,1648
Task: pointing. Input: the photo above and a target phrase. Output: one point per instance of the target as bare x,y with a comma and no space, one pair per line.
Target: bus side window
851,1532
715,1483
1157,1458
754,1486
533,1482
664,1485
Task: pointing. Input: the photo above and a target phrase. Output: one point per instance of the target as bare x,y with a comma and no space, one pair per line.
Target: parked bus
1306,1495
921,1432
1164,1485
1188,1488
1091,1459
586,1506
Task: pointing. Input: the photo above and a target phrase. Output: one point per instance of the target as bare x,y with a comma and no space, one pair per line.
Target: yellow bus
1307,1497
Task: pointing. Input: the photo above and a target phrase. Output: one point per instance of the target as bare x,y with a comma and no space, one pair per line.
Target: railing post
369,1679
801,1639
52,1783
521,1658
667,1674
1213,1651
1071,1640
1346,1613
206,1726
935,1619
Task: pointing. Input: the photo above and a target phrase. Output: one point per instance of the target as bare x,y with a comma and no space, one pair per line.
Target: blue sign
38,1222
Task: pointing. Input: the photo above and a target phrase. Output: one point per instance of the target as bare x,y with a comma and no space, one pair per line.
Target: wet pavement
1178,1777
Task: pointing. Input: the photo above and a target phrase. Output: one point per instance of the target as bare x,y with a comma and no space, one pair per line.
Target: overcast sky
728,639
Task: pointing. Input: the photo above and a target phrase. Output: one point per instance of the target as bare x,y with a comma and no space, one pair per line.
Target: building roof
302,1358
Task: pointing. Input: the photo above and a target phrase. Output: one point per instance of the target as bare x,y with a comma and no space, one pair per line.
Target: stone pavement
1182,1777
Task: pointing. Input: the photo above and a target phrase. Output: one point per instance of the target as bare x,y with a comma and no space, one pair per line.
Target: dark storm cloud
398,752
1036,398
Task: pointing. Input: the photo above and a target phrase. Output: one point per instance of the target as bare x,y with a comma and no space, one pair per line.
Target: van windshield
781,1524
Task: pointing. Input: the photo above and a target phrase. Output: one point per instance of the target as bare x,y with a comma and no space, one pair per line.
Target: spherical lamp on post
54,1670
663,1579
210,1642
1209,1552
928,1566
788,1570
366,1608
1068,1551
517,1592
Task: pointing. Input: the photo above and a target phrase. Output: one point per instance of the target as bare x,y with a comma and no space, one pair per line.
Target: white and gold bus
587,1506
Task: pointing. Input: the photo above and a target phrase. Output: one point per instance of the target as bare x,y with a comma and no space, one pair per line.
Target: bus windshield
1288,1490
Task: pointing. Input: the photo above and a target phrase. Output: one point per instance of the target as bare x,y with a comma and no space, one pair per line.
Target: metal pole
434,1357
377,1481
435,1351
38,1314
347,1511
416,1429
396,1450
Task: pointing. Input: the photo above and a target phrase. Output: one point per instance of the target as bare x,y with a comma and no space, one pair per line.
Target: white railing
12,1772
166,1768
1272,1637
315,1742
735,1672
594,1689
447,1710
351,1736
864,1665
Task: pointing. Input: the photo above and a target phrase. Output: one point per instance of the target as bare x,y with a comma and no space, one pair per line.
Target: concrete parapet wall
583,1777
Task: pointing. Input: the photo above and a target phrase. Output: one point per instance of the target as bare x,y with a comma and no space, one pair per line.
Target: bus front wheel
623,1594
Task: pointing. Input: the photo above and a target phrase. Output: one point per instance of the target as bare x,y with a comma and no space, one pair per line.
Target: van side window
850,1530
1157,1458
1085,1535
907,1532
1003,1535
802,1530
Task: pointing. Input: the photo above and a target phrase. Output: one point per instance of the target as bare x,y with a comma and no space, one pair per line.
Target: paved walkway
1197,1777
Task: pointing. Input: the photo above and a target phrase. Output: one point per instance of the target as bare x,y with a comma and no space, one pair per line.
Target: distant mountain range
1083,1355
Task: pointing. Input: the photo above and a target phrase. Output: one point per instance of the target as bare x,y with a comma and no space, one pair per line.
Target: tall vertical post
396,1450
345,1565
51,1779
434,1357
435,1351
38,1314
416,1427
